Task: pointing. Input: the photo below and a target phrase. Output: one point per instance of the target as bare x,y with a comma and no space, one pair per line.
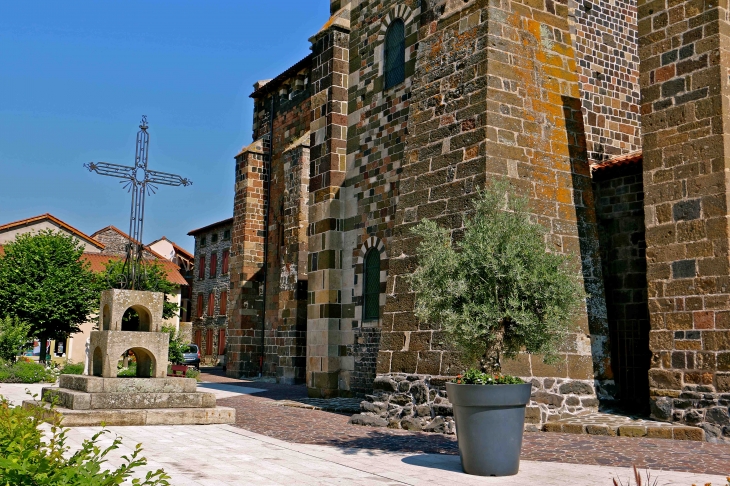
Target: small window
202,241
213,265
227,235
214,238
395,54
201,267
371,286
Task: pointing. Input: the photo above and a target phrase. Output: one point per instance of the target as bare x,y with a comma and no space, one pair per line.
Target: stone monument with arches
151,398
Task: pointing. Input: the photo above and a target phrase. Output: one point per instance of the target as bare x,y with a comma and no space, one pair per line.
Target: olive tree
495,289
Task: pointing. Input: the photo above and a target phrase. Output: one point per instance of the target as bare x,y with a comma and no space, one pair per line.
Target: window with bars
371,286
395,54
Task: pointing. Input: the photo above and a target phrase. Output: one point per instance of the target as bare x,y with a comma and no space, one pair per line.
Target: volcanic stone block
95,384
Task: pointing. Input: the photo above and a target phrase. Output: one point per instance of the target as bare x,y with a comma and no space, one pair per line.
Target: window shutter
209,342
201,267
224,303
221,341
371,286
210,303
226,254
395,54
198,338
200,305
213,264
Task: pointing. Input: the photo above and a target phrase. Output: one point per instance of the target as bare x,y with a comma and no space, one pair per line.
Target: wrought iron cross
140,182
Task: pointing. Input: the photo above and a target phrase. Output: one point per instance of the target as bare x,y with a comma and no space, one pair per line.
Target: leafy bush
496,291
192,373
25,372
72,369
13,338
129,372
476,377
177,346
27,459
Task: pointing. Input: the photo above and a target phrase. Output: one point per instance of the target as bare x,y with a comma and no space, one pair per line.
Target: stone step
129,417
76,400
95,384
610,424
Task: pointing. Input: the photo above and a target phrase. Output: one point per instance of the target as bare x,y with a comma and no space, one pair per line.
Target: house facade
211,281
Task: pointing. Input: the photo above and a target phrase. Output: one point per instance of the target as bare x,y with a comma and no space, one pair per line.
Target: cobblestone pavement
339,405
257,412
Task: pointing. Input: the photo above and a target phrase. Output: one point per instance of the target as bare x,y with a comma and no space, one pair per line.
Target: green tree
44,282
496,290
154,280
177,346
14,335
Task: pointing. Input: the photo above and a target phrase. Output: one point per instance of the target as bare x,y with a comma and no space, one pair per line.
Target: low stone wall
420,402
697,405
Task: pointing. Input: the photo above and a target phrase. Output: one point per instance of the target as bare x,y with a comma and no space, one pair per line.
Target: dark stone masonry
607,116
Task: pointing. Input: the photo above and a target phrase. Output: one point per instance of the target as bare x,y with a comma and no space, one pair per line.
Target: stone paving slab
226,455
610,424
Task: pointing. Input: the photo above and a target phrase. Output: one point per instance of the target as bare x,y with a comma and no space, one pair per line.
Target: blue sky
76,77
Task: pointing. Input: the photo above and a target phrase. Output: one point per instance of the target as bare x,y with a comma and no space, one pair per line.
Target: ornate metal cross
141,182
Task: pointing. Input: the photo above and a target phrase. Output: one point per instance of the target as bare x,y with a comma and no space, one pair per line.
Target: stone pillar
684,91
328,147
245,310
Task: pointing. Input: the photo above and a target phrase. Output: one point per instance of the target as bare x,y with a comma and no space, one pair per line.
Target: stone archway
146,363
137,318
97,362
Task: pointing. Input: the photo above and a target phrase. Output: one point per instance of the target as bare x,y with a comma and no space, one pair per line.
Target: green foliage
43,282
25,372
72,369
193,373
27,459
177,346
476,377
128,372
14,335
154,280
496,291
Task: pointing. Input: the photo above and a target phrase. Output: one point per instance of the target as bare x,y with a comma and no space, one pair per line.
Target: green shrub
192,373
25,372
27,460
476,377
13,338
130,372
177,346
495,289
72,369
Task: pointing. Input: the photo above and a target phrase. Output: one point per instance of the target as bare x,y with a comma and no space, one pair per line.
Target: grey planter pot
490,420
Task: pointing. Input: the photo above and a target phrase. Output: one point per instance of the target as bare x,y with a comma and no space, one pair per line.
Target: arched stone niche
115,302
149,348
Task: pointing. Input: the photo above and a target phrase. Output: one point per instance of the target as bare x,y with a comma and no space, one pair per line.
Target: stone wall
495,94
619,194
605,43
684,92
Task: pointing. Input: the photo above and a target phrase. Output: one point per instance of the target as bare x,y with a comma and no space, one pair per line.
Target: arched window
395,54
371,286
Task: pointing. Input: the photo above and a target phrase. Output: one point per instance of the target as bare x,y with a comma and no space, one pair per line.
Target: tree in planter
496,290
43,282
14,335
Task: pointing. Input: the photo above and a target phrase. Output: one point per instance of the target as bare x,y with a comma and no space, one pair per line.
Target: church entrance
619,199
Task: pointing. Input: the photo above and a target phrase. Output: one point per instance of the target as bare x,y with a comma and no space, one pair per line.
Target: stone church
609,116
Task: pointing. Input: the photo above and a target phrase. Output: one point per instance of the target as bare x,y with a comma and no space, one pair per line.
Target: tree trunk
43,343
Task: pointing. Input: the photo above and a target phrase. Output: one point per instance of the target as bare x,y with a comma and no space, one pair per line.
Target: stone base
129,417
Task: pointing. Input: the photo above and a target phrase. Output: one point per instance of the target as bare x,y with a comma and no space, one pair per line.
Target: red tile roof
47,216
98,264
627,159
